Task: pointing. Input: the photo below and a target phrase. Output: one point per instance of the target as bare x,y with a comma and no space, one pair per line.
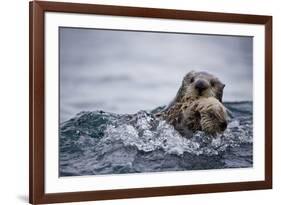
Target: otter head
200,84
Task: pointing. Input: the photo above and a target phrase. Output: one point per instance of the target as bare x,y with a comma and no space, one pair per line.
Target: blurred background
128,71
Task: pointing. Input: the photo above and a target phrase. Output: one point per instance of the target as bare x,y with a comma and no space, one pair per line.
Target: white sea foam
105,143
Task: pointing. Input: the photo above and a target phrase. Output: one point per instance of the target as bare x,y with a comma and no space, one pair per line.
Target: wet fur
192,110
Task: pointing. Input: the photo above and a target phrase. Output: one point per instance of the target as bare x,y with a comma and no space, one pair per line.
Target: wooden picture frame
37,194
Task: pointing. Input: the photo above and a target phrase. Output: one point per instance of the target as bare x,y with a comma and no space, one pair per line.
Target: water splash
105,143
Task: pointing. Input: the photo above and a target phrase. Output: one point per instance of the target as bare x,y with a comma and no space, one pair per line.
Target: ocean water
125,71
99,142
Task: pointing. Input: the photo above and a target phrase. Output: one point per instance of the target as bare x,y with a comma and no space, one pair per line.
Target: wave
100,142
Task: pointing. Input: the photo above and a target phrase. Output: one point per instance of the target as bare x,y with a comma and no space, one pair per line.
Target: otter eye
192,80
212,83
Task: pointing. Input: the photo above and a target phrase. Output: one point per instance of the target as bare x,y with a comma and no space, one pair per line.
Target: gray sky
125,71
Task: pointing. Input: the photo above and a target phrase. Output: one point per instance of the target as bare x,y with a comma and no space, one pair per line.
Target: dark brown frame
37,193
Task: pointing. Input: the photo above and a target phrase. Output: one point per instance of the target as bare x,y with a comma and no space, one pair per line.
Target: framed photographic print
139,102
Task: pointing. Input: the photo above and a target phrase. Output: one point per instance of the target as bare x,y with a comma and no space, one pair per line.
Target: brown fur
194,110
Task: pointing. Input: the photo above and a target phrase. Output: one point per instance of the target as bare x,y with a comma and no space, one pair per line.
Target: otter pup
197,105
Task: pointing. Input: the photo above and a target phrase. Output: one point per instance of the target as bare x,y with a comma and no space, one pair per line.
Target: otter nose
223,126
201,85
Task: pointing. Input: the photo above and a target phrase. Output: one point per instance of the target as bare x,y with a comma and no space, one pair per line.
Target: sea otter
197,105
